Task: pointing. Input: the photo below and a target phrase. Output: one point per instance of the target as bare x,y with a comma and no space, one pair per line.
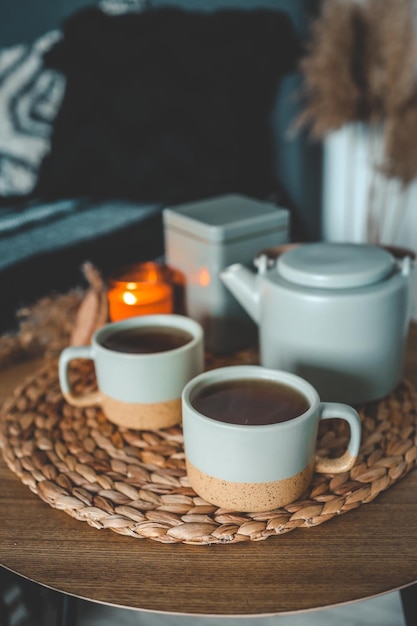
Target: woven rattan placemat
135,483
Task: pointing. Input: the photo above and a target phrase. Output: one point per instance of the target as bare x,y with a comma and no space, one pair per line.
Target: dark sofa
123,114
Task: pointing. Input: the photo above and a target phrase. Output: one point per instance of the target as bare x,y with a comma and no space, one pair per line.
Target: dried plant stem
55,321
44,328
331,91
361,66
93,311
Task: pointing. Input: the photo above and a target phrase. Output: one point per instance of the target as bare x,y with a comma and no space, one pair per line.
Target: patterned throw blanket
30,97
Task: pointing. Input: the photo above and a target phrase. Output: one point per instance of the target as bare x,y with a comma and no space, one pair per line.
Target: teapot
336,314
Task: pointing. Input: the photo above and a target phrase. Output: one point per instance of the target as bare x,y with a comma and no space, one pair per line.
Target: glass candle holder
140,289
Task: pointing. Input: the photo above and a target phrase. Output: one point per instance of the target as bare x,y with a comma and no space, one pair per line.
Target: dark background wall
24,20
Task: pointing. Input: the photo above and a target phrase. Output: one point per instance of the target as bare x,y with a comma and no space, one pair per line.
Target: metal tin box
203,238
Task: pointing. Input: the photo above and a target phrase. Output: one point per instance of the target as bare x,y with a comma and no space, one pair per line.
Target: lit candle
140,289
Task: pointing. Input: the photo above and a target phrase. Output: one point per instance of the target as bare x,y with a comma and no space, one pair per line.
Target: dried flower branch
333,84
400,142
54,322
392,56
360,66
44,329
93,311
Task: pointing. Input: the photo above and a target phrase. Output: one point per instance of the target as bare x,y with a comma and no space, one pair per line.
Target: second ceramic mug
250,437
142,365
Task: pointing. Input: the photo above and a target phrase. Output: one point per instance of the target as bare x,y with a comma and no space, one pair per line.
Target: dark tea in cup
250,401
146,339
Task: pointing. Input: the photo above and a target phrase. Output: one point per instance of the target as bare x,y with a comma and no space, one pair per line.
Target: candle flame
129,298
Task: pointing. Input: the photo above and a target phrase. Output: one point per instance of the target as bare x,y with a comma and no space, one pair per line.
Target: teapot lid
335,265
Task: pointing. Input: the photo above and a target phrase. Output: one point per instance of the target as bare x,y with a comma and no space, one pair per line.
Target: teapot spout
243,284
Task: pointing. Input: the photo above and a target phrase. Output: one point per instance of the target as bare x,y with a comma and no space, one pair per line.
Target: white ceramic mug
259,467
140,391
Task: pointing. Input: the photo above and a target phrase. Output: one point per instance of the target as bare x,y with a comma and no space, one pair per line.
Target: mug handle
65,358
331,410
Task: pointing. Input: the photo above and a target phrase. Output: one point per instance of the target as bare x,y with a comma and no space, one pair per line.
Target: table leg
409,603
66,610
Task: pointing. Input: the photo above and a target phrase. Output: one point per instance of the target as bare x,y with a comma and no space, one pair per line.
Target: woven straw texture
135,483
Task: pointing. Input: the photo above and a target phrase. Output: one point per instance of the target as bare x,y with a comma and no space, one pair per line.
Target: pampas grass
392,54
332,89
361,66
401,142
44,329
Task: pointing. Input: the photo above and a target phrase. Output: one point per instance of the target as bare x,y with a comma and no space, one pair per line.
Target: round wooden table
368,551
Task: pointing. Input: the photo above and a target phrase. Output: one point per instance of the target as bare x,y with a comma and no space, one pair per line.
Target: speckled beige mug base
152,416
249,497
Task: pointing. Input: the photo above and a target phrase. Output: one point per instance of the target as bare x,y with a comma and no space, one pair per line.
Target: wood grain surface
366,552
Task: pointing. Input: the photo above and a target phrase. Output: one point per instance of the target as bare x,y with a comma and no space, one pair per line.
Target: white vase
360,204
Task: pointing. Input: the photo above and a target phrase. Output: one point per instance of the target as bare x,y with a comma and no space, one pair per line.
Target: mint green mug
250,436
142,365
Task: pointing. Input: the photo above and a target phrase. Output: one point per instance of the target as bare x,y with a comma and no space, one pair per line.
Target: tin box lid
226,217
335,265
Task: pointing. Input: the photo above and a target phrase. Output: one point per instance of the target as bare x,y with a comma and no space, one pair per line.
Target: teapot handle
404,257
266,258
400,253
